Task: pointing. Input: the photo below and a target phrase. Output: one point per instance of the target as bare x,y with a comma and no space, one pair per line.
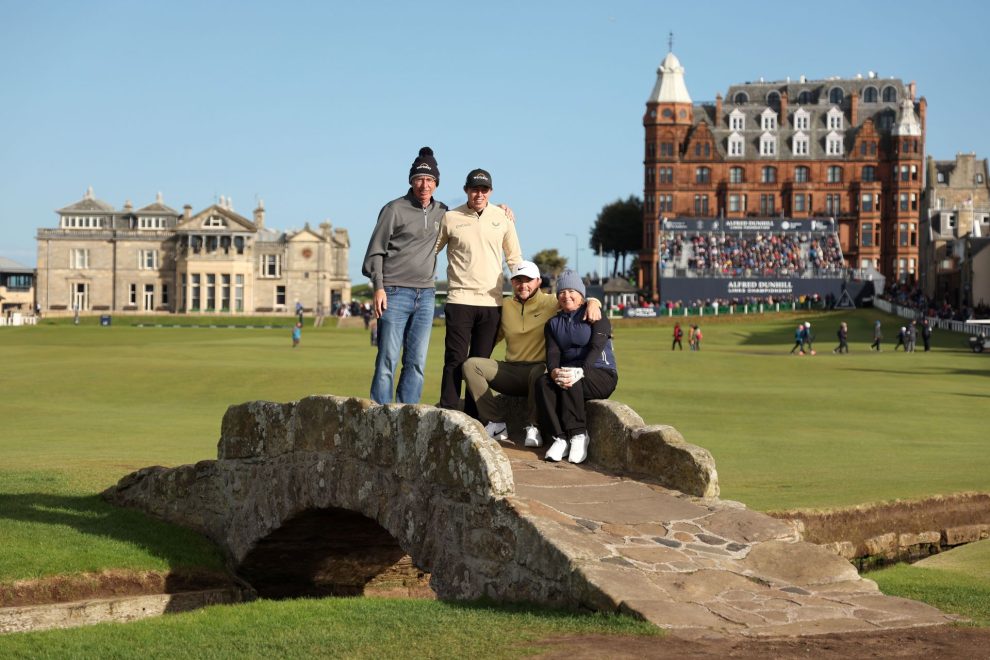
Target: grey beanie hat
570,280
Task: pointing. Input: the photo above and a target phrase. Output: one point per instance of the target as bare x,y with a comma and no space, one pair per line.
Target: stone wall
431,478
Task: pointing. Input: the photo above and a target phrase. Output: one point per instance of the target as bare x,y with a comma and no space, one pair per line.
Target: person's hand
381,303
508,212
593,311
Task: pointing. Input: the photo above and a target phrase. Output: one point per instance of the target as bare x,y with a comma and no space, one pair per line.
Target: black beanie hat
425,165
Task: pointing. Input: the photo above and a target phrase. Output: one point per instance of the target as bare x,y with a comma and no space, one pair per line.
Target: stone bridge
343,494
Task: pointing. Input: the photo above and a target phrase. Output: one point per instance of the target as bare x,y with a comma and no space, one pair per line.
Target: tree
618,230
549,262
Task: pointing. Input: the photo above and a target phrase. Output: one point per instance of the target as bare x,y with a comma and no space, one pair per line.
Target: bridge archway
332,552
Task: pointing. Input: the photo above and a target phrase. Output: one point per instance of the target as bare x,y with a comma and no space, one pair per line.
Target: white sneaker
497,431
579,448
533,438
557,449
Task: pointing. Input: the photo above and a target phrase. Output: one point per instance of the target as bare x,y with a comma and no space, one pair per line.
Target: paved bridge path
683,562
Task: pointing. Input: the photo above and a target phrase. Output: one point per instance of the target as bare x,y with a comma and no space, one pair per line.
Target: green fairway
93,404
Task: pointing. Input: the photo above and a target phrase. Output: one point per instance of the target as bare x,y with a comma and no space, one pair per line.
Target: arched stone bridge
637,529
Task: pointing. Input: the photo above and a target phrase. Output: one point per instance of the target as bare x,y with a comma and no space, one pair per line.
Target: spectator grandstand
750,259
736,254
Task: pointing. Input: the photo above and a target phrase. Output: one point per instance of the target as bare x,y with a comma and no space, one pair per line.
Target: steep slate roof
816,97
158,207
88,204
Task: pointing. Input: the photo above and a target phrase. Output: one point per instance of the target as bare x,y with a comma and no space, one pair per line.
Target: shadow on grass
175,546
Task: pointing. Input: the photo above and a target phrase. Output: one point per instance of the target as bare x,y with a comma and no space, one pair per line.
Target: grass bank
328,628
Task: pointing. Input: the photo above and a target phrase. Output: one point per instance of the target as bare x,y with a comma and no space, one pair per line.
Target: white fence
18,319
977,329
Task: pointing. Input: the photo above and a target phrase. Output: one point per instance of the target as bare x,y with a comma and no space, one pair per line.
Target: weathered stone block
965,534
316,423
255,429
884,545
909,540
844,549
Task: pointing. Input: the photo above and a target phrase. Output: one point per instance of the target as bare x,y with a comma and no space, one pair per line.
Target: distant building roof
158,206
88,204
11,266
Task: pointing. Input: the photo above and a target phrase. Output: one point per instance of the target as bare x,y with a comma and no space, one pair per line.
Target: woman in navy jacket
580,366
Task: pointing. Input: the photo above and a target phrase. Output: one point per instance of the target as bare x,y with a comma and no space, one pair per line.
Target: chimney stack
783,109
186,212
259,214
718,109
853,109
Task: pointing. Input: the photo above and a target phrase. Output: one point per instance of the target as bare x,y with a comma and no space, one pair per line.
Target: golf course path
686,563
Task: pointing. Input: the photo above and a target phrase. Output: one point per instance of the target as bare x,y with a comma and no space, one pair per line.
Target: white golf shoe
497,431
557,449
579,448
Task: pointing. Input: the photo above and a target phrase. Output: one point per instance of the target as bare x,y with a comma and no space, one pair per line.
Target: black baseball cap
478,179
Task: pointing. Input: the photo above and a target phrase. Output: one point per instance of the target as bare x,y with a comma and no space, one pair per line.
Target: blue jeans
404,327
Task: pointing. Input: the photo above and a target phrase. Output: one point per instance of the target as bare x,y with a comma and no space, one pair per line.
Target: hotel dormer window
768,120
737,121
768,145
214,221
736,145
833,144
889,94
835,96
870,95
800,144
740,98
834,119
802,120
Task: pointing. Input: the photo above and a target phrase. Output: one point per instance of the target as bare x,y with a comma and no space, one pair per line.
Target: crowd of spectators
908,295
784,255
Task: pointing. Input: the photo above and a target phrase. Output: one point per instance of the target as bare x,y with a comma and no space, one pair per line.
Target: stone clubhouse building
157,260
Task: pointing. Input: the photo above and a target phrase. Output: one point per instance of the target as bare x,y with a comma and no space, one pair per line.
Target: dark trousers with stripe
471,332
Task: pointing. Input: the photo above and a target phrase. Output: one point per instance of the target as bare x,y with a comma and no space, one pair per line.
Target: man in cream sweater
477,235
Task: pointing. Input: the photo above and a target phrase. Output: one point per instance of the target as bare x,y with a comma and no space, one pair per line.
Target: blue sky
319,108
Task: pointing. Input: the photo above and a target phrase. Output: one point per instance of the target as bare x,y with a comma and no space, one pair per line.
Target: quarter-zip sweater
475,245
522,326
401,250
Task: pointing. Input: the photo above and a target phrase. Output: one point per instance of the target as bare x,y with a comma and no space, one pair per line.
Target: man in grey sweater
400,261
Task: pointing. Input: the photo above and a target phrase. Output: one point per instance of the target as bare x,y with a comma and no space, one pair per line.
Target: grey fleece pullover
402,250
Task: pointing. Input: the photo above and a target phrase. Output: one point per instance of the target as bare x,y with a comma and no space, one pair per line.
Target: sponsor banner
747,225
689,289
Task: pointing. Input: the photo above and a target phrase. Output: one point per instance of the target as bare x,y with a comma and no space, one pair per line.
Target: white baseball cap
525,269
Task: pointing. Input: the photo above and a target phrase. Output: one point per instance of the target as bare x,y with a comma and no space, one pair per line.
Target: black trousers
470,332
561,412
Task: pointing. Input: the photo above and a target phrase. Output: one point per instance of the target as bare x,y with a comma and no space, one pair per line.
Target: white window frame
802,119
147,259
737,120
768,144
799,144
768,120
737,147
833,144
274,261
214,221
79,259
835,119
